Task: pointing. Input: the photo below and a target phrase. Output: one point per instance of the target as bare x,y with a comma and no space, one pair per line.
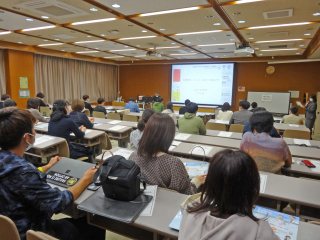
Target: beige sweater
203,226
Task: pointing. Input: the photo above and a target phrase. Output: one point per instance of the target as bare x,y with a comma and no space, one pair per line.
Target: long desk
284,126
116,122
117,132
298,169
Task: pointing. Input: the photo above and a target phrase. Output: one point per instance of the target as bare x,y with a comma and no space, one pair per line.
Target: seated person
136,135
156,97
169,110
254,105
243,115
183,109
61,125
158,105
157,166
25,196
225,208
33,107
79,117
41,96
190,123
100,107
270,154
225,113
9,103
293,117
3,98
87,104
247,127
132,106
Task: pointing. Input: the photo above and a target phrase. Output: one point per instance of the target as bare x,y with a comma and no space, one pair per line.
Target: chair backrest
290,133
236,128
130,118
64,149
8,229
98,114
216,126
33,235
114,116
45,111
87,112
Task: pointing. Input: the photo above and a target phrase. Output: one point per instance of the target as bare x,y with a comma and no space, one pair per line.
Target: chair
216,126
33,235
236,128
290,133
130,118
98,114
45,111
87,112
8,229
114,116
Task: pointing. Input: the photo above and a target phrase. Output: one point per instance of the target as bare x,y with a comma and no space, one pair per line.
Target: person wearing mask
225,208
183,109
87,104
311,108
156,165
100,107
3,98
270,154
293,117
225,113
25,196
41,97
158,105
79,117
132,106
190,123
243,115
136,135
33,107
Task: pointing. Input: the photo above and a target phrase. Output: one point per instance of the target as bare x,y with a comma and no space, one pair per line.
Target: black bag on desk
120,178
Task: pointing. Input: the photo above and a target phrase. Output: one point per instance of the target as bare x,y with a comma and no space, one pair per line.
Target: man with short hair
243,115
293,117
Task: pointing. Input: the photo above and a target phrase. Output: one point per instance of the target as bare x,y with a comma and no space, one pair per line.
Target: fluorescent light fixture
282,40
162,29
44,17
165,47
144,31
92,41
87,52
131,38
5,33
94,21
93,9
182,54
193,33
241,21
246,1
217,24
114,57
280,49
281,25
123,50
115,5
307,34
37,28
50,44
316,14
169,11
29,19
215,44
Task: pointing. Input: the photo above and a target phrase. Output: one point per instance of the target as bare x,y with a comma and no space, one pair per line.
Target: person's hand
53,161
82,128
91,119
199,180
88,175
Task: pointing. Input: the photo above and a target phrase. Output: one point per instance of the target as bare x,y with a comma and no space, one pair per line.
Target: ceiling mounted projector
245,50
153,53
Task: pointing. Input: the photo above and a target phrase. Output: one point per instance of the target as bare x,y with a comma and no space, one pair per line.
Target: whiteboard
275,102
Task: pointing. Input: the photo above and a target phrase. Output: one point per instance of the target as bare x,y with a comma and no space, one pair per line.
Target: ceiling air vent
52,8
278,14
278,46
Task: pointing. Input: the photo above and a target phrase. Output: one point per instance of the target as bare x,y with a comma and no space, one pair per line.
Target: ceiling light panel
148,42
147,6
15,37
194,21
217,48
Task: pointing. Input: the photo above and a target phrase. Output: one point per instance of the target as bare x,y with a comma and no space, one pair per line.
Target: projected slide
207,84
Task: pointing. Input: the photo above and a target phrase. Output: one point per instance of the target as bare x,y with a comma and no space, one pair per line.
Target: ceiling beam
314,45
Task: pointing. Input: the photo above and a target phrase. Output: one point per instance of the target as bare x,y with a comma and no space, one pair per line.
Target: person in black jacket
41,96
78,116
87,104
100,107
3,98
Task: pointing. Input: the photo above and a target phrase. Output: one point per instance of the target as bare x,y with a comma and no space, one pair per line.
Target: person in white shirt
225,113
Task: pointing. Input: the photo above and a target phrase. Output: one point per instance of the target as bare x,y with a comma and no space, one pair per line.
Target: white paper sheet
151,191
175,143
171,148
114,122
301,142
224,134
294,125
42,139
198,150
221,121
263,183
182,136
123,152
116,128
317,164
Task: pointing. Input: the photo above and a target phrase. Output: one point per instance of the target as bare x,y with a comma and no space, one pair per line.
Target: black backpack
120,178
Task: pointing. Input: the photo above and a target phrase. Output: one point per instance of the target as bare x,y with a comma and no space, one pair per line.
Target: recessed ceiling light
57,39
215,44
173,43
182,54
20,42
92,41
316,14
50,44
231,39
217,24
29,19
188,42
45,17
281,25
301,45
282,40
94,21
162,29
251,38
246,1
307,34
87,52
115,5
131,38
123,50
280,49
93,9
144,31
241,21
37,28
88,36
5,33
102,35
297,53
194,33
169,11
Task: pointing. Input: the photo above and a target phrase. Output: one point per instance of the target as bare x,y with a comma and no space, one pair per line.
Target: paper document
42,125
196,168
222,122
317,164
301,142
224,134
182,136
151,190
176,221
42,139
294,125
283,225
88,131
171,148
175,143
263,183
116,128
201,150
114,122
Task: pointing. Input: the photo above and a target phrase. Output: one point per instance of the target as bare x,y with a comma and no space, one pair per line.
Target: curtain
2,73
60,78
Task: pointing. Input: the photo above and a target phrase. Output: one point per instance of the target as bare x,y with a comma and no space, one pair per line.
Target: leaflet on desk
196,168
